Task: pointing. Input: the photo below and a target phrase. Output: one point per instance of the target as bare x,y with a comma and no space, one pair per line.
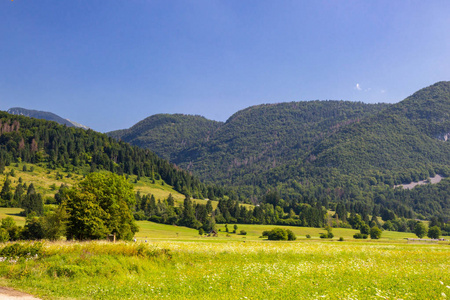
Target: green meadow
173,262
232,270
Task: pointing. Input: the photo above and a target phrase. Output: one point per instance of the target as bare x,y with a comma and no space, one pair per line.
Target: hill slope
45,116
336,151
253,140
167,135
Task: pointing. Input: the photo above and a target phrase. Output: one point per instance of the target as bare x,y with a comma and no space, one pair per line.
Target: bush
341,239
243,232
328,235
434,232
360,236
291,235
21,250
375,233
420,230
4,235
280,234
308,236
277,234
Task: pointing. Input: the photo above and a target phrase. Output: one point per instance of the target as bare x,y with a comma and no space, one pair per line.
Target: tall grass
234,270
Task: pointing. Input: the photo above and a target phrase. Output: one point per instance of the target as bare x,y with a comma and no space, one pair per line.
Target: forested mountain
252,141
52,145
337,151
167,135
44,115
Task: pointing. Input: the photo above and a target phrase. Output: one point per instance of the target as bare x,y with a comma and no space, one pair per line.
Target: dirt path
11,294
435,179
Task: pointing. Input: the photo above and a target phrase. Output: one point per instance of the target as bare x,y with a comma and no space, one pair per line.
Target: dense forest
37,141
346,152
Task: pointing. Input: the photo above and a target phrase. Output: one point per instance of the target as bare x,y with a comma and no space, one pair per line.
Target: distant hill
338,151
44,115
252,140
167,135
38,141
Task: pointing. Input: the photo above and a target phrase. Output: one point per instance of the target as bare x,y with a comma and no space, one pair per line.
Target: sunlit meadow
233,270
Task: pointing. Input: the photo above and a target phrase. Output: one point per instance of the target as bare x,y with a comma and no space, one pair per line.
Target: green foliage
54,223
4,235
280,234
100,205
332,151
277,234
14,231
33,229
22,250
360,236
420,229
434,232
365,229
375,233
56,146
291,235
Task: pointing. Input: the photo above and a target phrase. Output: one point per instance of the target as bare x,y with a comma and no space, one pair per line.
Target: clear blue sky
109,64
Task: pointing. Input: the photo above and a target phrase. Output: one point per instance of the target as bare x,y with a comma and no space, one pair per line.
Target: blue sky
109,64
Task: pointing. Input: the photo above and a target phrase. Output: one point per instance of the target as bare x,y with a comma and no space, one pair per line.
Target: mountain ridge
49,116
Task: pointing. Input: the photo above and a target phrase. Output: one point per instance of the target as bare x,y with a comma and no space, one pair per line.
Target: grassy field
173,262
14,213
233,270
153,231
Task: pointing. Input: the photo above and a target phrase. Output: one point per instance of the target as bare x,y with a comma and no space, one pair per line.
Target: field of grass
14,213
233,270
173,262
153,231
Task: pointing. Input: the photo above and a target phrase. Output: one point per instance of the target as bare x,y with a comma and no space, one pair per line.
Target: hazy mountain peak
44,115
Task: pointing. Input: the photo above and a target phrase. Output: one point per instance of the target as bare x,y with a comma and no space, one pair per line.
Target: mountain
44,115
55,146
167,134
337,151
253,140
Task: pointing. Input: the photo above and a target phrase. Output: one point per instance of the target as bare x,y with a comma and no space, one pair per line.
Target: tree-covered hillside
341,151
24,139
167,135
253,140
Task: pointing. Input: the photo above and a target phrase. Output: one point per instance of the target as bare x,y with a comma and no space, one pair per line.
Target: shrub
4,235
360,236
280,234
22,250
420,230
243,232
434,232
341,239
375,233
291,235
308,236
277,234
365,229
